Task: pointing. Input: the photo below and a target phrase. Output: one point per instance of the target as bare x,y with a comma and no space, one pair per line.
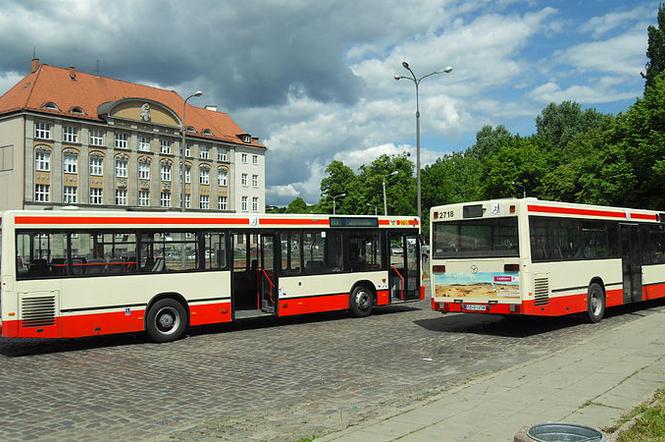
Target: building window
204,202
165,146
255,160
144,170
144,198
188,174
121,167
204,153
244,158
121,197
255,180
70,162
188,201
204,175
221,155
144,143
96,137
121,140
188,151
43,130
243,204
69,134
221,203
255,204
96,165
42,193
69,195
42,160
243,179
96,195
165,172
221,177
165,199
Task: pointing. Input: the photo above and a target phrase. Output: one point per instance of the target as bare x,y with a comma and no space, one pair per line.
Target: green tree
558,124
488,140
655,49
298,205
339,179
400,188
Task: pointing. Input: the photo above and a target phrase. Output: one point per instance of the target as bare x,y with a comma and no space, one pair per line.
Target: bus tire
166,320
360,304
595,302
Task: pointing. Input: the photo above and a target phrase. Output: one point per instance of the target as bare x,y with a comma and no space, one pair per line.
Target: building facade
72,138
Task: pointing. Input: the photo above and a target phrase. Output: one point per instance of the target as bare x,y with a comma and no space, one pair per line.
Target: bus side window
215,251
41,255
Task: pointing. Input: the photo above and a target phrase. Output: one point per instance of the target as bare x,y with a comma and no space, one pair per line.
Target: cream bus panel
338,283
652,274
575,276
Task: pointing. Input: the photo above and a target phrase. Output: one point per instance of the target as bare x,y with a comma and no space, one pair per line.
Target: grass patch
651,423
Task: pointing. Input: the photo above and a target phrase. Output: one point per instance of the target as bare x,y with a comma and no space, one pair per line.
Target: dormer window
207,132
51,106
78,110
246,139
191,129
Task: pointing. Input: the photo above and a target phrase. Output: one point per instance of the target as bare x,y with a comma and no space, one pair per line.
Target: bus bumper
493,309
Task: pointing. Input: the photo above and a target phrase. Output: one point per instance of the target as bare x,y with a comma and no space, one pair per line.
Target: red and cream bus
74,273
531,257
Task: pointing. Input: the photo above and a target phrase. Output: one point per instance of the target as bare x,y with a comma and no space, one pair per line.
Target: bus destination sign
348,222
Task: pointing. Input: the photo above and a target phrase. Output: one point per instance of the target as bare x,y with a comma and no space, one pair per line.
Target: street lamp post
416,82
335,197
385,201
183,132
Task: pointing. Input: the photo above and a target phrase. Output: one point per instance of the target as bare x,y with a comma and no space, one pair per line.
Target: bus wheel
361,301
166,320
595,302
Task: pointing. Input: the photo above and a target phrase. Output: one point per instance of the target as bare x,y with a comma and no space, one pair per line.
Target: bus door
404,269
631,263
267,278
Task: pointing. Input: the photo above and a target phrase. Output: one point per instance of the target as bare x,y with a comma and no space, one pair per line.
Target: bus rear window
478,238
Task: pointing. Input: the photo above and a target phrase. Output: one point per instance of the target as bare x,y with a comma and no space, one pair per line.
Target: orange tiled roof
53,84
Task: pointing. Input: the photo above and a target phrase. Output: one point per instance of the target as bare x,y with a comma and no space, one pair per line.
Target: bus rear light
514,308
11,314
438,269
511,268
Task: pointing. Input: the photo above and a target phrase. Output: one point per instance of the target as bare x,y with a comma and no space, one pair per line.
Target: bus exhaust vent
542,290
38,312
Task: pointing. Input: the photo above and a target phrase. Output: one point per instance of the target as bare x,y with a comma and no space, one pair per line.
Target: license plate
475,307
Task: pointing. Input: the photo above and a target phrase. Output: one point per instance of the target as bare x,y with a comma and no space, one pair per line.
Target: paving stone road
263,380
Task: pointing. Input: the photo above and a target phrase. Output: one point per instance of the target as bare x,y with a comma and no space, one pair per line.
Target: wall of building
249,168
11,162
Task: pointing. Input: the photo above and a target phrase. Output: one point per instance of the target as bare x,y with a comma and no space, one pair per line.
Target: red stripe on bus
313,304
575,211
653,291
382,297
209,313
125,221
296,221
647,216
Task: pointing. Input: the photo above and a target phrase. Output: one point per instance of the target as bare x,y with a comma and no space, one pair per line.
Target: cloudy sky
314,79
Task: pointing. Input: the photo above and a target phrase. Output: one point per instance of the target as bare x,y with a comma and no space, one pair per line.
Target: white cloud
602,24
602,91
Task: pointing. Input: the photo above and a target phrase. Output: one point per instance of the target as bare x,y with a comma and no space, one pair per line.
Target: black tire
362,299
166,320
595,302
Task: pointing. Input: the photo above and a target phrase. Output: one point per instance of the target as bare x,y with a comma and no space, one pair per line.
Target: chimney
255,139
72,72
211,107
35,65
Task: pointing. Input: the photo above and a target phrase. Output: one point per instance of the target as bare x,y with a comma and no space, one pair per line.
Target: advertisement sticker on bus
485,285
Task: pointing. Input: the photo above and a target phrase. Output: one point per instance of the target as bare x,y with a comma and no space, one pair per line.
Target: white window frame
255,160
70,134
70,161
121,140
204,202
204,152
96,137
43,160
96,196
222,203
70,195
255,180
188,151
121,197
255,204
222,154
165,199
121,167
96,165
188,174
243,204
243,158
222,177
165,172
43,130
164,146
243,179
144,170
144,143
144,198
204,175
188,201
42,193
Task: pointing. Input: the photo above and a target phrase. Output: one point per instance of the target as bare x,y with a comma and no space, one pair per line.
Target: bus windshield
476,238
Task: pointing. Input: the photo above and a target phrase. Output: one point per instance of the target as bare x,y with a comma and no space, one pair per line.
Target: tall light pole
416,82
385,201
335,197
183,131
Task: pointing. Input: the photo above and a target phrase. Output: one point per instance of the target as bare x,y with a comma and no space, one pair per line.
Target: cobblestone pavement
263,380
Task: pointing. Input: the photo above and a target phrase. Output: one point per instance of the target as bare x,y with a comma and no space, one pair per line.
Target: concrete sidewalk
592,383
